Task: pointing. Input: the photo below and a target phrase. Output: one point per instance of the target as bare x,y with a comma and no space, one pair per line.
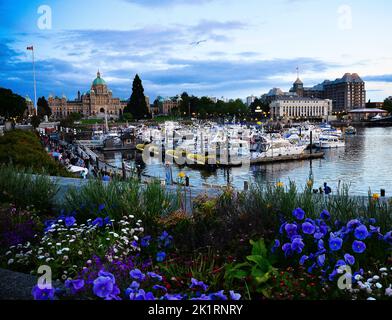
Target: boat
277,148
351,131
329,142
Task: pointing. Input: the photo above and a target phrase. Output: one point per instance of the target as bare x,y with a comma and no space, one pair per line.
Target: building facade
300,108
96,102
346,93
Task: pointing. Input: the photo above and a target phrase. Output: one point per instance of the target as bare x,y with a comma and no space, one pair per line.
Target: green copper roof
98,80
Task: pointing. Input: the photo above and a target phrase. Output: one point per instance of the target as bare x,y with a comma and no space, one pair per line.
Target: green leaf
258,248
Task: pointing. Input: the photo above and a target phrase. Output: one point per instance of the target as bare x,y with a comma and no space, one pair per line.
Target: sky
216,48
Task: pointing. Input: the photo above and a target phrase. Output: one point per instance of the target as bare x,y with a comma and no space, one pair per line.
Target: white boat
277,148
329,142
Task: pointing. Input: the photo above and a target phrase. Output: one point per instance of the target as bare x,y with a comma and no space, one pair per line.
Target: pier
285,158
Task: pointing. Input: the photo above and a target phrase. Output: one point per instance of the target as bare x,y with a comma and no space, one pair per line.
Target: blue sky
251,45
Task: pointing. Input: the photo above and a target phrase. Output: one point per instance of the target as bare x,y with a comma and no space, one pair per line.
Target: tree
259,103
12,105
127,117
137,105
35,121
388,105
43,108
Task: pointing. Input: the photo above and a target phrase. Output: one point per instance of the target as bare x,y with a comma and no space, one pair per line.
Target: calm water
365,162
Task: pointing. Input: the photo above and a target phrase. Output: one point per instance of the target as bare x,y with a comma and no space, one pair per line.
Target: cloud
379,78
164,3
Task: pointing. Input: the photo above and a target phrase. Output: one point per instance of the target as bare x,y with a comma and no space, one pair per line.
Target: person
169,174
327,189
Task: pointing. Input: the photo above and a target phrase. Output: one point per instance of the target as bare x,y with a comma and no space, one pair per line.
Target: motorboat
329,142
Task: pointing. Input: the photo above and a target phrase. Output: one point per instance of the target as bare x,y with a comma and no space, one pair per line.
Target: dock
285,158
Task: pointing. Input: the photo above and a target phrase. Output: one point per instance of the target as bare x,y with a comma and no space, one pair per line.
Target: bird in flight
196,43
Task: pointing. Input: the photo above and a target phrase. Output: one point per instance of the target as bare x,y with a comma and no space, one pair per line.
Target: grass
26,190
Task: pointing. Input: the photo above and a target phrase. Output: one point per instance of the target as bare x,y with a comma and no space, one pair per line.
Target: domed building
95,103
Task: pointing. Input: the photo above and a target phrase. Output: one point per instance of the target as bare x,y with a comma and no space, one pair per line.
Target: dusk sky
247,47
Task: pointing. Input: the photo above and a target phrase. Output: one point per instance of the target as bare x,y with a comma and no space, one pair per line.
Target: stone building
346,93
300,108
94,103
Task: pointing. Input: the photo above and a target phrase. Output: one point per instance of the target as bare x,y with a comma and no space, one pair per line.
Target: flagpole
35,85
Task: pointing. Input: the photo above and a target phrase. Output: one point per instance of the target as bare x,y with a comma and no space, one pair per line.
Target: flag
30,48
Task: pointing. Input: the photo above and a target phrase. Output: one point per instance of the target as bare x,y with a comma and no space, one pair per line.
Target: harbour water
365,163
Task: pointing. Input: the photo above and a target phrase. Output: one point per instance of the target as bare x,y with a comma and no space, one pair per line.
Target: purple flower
388,237
291,229
276,245
318,235
134,287
70,221
218,295
107,221
361,232
325,215
155,276
75,285
98,222
165,239
203,297
372,221
103,286
137,275
287,249
103,273
359,246
299,214
321,260
161,256
297,245
145,241
303,260
141,295
172,297
352,224
101,207
159,287
320,245
332,276
198,284
43,294
335,243
349,259
234,296
308,228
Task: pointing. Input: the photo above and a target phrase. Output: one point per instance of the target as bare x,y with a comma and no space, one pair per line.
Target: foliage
127,116
23,150
12,105
26,190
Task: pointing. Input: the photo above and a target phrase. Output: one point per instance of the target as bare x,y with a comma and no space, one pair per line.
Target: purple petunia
159,287
325,215
297,245
287,249
335,243
291,229
172,297
43,294
276,245
101,207
218,295
361,232
303,260
154,276
161,256
137,275
234,296
145,241
75,285
308,228
388,237
141,295
134,287
98,222
321,260
299,214
352,224
195,284
359,246
70,221
349,259
103,286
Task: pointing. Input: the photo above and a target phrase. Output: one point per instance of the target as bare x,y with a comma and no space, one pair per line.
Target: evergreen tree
137,105
43,108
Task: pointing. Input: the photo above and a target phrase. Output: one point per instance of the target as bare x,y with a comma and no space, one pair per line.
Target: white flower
371,299
358,277
136,238
41,257
383,269
376,278
10,261
8,253
80,252
58,244
65,258
89,262
378,285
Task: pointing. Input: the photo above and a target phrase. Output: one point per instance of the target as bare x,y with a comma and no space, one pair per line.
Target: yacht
329,142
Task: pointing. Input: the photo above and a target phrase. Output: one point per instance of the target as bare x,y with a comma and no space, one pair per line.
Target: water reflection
364,163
